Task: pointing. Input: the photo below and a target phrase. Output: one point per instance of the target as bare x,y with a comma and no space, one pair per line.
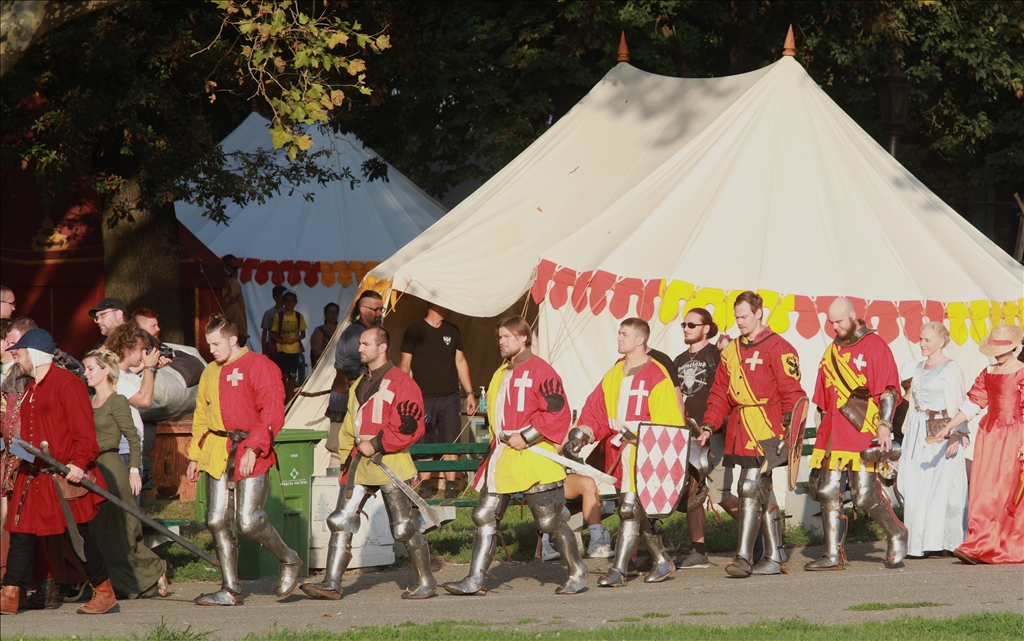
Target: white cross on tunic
234,377
754,361
860,362
639,393
522,383
383,395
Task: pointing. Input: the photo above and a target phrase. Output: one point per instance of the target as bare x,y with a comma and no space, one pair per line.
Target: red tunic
756,383
252,400
868,362
397,396
57,410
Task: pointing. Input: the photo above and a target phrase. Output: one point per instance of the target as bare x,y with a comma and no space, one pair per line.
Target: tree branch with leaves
291,54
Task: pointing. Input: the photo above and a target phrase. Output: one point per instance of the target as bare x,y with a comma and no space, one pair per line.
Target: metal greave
485,515
220,516
750,512
547,509
869,496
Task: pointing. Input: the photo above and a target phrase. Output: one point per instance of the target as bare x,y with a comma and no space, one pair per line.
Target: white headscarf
38,358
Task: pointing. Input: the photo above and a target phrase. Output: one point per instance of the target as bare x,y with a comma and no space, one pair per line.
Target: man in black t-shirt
432,354
696,369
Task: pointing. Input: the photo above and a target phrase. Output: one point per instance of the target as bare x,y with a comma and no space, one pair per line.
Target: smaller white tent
321,248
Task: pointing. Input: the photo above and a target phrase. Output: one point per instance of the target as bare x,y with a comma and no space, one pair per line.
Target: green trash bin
287,507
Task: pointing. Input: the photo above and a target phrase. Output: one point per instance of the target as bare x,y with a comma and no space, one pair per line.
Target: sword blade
575,466
116,500
429,517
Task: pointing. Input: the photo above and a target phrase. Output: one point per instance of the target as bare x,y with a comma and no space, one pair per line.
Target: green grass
988,627
657,615
525,621
871,607
697,613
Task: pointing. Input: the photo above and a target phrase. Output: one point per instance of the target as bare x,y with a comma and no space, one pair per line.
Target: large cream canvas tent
320,248
657,194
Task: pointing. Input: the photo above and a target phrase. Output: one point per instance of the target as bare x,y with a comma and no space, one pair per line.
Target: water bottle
482,400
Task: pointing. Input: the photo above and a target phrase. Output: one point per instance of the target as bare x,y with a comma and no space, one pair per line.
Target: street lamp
893,100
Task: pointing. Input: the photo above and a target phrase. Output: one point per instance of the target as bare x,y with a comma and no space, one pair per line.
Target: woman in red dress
995,525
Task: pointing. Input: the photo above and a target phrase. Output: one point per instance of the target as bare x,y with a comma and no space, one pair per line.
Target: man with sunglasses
367,312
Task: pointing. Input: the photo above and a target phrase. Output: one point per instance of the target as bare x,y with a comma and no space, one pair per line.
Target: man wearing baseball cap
109,314
57,412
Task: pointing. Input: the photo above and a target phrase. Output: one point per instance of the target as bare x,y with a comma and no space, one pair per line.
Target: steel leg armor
488,510
824,487
220,515
547,508
627,539
751,501
251,496
343,523
869,496
662,563
406,523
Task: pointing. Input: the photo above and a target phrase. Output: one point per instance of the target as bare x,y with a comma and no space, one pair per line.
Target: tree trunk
140,259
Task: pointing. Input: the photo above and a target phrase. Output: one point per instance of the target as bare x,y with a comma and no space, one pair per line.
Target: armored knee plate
629,507
827,491
547,509
489,509
406,521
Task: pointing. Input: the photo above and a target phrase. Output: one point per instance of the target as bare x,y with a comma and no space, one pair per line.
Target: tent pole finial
623,49
789,47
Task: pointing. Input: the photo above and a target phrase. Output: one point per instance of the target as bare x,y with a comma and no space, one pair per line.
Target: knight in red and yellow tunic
623,399
756,385
240,409
385,409
857,391
528,412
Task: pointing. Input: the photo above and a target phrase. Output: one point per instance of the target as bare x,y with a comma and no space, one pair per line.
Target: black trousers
21,557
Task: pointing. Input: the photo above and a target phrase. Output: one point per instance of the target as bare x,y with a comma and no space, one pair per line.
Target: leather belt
933,414
235,437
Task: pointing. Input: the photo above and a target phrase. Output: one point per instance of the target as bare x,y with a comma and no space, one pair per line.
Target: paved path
522,598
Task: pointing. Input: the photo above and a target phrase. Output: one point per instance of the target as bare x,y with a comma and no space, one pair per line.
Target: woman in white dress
933,476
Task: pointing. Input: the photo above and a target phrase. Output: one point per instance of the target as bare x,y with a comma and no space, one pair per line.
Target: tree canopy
467,86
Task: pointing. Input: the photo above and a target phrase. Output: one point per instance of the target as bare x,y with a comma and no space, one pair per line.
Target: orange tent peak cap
789,47
623,49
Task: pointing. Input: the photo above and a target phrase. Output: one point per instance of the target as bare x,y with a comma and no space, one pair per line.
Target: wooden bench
475,451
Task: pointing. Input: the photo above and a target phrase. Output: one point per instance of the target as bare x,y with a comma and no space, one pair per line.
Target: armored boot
833,523
774,559
565,542
869,496
662,563
419,559
338,558
628,537
483,553
254,524
230,592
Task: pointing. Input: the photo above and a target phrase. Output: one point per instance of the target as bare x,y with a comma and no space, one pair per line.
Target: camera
165,351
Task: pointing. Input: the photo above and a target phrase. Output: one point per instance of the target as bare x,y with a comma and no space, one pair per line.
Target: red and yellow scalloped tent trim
294,272
670,299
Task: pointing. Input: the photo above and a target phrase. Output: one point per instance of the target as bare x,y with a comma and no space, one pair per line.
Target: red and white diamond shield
661,459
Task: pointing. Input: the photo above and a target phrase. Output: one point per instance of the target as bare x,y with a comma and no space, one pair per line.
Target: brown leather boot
9,599
45,596
102,599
